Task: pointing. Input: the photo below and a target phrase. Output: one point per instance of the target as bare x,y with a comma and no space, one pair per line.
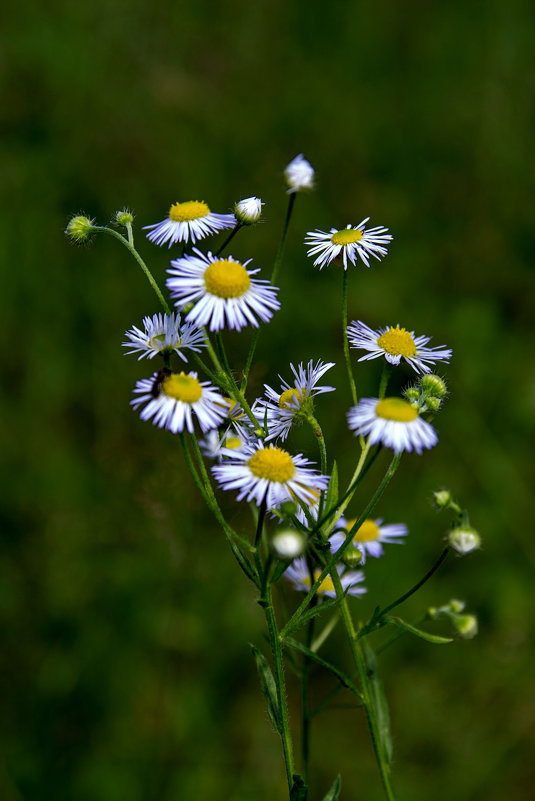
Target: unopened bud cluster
465,625
428,394
79,228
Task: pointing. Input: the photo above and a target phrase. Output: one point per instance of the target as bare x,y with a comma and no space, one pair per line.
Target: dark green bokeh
125,666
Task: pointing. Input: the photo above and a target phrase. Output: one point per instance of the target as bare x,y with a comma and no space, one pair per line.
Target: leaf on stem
334,792
299,791
269,688
332,490
342,678
324,606
424,635
378,702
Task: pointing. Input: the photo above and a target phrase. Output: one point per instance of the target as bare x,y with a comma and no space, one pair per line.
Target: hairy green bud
79,228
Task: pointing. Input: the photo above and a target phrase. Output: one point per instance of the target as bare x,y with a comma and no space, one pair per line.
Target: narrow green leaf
342,678
334,792
269,688
378,701
244,564
332,490
314,611
299,791
424,635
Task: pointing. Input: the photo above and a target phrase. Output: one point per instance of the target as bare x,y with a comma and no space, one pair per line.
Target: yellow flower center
368,531
347,236
398,342
182,387
272,463
289,396
226,279
396,409
232,442
325,586
190,210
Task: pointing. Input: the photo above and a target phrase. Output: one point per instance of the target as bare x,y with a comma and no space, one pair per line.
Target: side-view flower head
173,398
369,537
299,175
299,575
261,472
393,422
396,344
223,291
294,401
348,244
188,222
164,334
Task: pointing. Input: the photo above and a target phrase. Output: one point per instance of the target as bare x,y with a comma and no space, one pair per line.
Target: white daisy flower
298,573
164,334
349,243
215,441
299,175
172,398
248,210
258,471
369,537
222,290
396,344
393,422
295,400
188,221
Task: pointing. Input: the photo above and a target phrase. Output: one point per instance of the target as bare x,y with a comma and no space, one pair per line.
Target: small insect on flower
269,474
348,244
396,344
223,291
173,398
299,575
163,334
299,175
188,221
294,401
393,422
369,537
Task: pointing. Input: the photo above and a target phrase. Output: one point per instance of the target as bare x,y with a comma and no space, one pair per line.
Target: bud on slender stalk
464,539
79,228
299,175
248,211
124,217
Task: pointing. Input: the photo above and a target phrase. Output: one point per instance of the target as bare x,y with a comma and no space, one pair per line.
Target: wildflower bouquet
303,529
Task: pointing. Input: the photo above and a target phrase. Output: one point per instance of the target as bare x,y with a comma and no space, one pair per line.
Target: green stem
358,658
233,388
352,384
130,247
229,238
282,243
385,375
318,433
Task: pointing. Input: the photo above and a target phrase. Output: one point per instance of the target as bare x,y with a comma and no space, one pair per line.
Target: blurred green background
125,668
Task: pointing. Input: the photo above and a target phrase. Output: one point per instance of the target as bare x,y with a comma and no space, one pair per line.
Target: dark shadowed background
125,666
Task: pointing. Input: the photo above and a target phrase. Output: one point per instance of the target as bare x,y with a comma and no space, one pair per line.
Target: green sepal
424,635
334,792
269,688
313,612
299,791
342,678
378,702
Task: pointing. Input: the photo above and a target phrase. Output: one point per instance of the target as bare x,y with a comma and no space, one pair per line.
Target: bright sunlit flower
299,574
164,334
369,537
173,398
259,472
188,221
248,210
349,244
396,344
393,422
223,291
299,175
294,401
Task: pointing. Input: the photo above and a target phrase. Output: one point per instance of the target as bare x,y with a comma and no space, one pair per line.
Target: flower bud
248,211
124,217
464,539
352,557
412,394
465,625
287,543
299,175
433,385
79,228
288,508
456,606
442,498
433,404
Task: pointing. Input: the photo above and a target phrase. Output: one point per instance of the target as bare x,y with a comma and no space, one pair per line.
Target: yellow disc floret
182,387
226,279
398,342
348,236
289,397
272,463
325,586
367,532
190,210
396,409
